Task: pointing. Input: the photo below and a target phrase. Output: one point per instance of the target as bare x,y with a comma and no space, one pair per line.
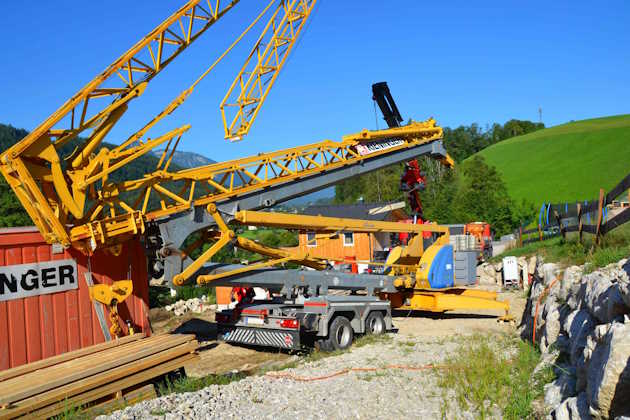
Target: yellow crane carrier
64,177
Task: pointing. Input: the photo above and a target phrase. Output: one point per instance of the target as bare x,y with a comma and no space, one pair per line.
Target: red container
36,327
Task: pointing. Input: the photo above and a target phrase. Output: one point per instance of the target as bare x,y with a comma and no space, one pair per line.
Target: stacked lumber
92,374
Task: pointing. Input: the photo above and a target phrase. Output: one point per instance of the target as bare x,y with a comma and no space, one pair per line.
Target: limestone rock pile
196,305
582,325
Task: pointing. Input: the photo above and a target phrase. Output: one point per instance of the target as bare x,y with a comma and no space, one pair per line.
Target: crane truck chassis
307,310
304,308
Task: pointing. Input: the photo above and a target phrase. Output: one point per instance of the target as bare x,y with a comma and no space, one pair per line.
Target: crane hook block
116,292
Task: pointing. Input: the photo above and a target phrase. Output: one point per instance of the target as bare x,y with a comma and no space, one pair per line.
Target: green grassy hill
567,162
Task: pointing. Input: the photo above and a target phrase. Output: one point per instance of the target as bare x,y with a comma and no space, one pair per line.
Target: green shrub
183,383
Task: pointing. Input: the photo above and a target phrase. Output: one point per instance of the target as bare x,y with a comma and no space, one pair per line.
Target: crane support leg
174,229
209,278
226,236
449,300
298,257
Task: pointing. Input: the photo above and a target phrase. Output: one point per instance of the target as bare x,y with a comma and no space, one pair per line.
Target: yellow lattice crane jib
60,190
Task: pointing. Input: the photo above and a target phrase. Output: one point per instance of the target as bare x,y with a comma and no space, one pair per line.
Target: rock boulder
574,408
560,389
578,325
608,376
602,297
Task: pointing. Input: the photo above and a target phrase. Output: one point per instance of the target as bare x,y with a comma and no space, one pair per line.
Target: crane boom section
126,78
252,84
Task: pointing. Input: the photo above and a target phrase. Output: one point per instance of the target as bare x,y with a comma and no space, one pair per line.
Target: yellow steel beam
449,300
410,130
294,256
330,224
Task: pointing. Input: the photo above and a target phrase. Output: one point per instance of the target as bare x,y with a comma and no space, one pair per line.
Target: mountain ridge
186,159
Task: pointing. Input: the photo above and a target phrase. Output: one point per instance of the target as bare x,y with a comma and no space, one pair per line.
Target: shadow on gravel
267,349
204,330
434,315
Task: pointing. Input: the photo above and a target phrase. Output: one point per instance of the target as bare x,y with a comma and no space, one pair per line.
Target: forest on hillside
11,211
472,191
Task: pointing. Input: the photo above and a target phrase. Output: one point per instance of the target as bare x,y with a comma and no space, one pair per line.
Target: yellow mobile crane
64,181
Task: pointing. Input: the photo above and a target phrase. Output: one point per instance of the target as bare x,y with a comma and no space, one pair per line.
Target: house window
311,240
348,239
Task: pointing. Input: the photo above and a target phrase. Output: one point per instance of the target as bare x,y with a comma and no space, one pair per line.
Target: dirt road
219,358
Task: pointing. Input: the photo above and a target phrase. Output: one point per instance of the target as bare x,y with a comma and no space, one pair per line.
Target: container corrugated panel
36,327
465,268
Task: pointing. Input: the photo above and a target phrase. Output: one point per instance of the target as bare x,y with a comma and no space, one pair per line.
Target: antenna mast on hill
539,114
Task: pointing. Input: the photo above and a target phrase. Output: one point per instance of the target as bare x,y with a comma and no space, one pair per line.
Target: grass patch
366,339
567,162
494,372
374,375
276,367
316,355
73,412
181,384
407,347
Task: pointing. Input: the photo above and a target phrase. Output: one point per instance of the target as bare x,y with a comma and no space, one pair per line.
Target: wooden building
351,246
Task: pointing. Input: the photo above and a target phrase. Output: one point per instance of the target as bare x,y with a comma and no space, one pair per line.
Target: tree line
466,140
472,191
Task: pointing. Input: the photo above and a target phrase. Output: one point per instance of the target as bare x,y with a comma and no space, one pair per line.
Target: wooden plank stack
92,374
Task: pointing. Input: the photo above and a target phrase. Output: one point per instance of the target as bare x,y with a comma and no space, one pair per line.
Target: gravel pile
384,393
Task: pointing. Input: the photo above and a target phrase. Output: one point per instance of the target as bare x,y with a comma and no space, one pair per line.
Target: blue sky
460,62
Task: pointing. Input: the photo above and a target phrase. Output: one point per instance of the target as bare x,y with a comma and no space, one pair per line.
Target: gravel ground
421,339
385,393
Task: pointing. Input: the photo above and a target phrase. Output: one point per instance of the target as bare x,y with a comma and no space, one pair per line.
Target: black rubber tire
375,323
340,333
323,344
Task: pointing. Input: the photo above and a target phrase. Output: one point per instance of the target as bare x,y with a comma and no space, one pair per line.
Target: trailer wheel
323,344
375,323
340,333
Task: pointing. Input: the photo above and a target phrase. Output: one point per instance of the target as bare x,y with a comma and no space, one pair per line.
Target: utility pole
539,114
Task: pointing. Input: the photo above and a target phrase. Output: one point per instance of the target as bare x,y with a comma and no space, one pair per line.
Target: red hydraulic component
243,295
412,182
354,267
